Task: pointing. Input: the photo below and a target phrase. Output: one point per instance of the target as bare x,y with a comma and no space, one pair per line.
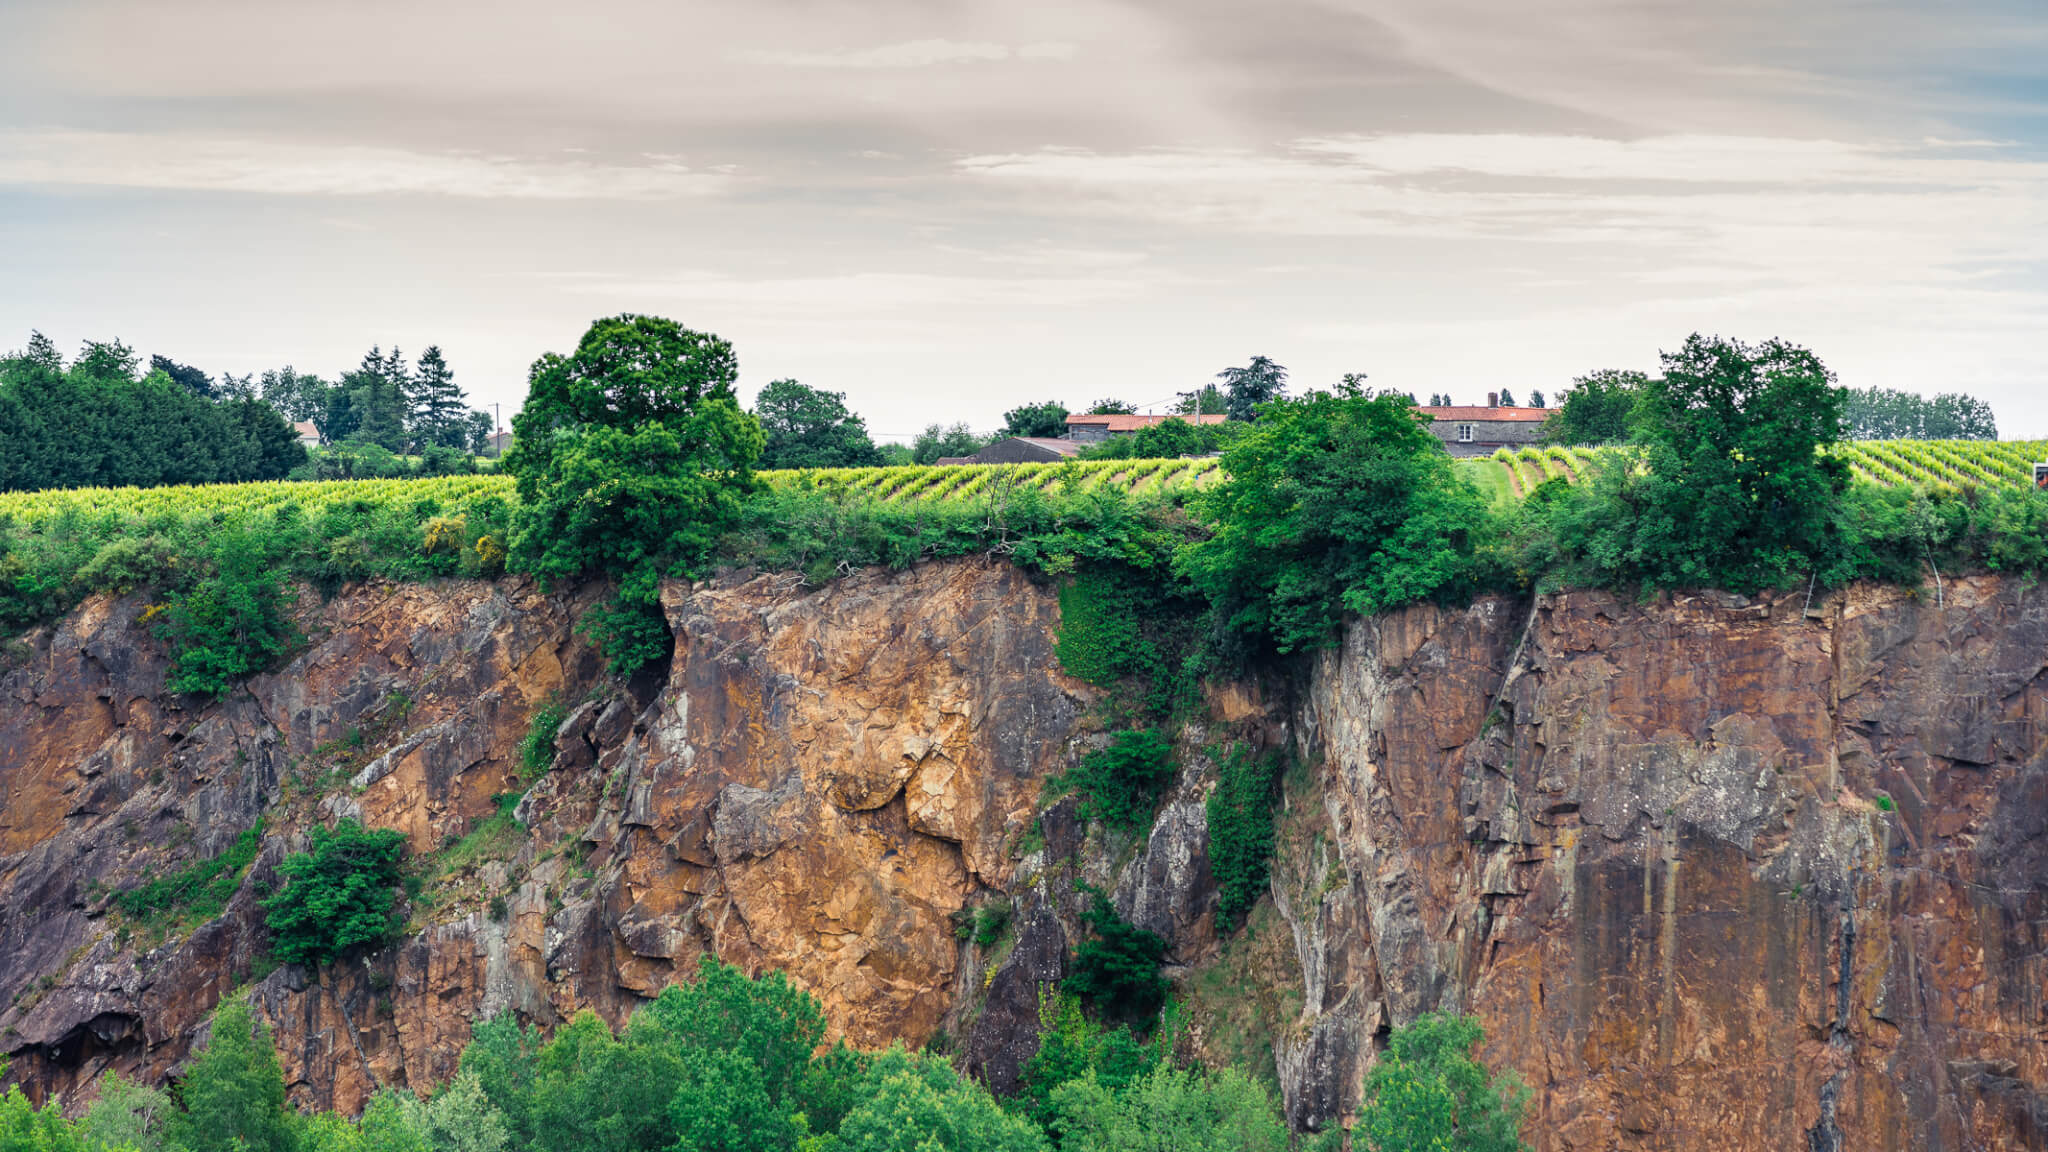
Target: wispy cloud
229,164
917,54
856,293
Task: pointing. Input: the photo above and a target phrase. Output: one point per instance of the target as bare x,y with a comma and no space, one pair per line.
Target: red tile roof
1117,422
1481,412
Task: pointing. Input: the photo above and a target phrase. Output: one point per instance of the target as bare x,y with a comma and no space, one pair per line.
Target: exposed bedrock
1714,872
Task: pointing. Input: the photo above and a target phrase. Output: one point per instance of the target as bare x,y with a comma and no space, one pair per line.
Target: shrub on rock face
338,895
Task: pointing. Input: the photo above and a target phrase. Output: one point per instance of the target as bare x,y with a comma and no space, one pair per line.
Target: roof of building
1121,422
306,428
954,460
1050,444
1481,412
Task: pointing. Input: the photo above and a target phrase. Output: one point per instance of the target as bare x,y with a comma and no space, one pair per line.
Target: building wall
1487,435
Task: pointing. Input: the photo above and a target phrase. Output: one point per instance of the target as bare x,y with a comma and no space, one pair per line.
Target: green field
1933,464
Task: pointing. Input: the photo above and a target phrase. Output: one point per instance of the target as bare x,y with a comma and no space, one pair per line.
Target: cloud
1713,202
856,293
229,164
917,54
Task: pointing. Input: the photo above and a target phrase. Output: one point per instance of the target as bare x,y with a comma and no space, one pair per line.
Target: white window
1464,433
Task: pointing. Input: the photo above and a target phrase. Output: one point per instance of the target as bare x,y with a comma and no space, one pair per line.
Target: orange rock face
1715,873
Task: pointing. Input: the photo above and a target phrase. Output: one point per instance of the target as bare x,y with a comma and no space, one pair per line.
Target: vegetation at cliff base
1428,1091
1116,971
1240,812
338,895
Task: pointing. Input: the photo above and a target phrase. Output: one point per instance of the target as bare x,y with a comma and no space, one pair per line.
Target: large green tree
1333,503
811,428
338,895
938,441
631,458
1599,409
1735,492
1889,414
233,1094
438,410
1044,419
1428,1091
1247,388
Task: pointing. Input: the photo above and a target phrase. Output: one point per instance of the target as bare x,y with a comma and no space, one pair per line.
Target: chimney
1493,399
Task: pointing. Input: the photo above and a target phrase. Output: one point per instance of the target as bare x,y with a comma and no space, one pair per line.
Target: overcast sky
944,209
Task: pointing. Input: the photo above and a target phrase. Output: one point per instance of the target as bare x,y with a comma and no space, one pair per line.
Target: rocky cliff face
1715,873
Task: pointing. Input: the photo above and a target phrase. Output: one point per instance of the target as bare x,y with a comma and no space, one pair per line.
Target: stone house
1479,430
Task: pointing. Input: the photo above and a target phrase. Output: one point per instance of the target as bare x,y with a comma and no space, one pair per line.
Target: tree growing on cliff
1428,1091
1332,502
341,893
631,458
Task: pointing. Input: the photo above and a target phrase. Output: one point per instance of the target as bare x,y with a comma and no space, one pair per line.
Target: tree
377,399
339,894
1536,399
935,442
1249,387
1208,400
128,1114
1044,419
919,1104
437,409
477,430
1169,1107
1598,409
1117,971
234,1091
27,1128
631,458
1427,1091
1112,407
809,428
1333,503
234,622
1736,493
184,376
1888,414
1507,398
1170,438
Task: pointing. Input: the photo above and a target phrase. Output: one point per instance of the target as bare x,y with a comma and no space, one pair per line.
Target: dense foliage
338,895
1598,409
1240,812
1427,1091
1048,418
1116,970
1333,503
102,421
1120,783
1246,390
809,428
1889,414
1168,439
631,459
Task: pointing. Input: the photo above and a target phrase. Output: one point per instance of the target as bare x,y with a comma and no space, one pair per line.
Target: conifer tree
436,403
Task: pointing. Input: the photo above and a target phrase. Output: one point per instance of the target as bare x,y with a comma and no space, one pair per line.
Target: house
1476,430
497,444
309,433
1026,450
1089,427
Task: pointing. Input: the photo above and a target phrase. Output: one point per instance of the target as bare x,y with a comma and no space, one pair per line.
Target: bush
234,623
340,894
1241,834
537,751
1120,785
1117,973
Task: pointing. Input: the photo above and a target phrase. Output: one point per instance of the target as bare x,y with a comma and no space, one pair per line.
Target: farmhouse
1088,427
1474,430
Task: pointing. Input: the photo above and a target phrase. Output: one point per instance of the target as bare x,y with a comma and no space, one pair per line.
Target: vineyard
447,495
1932,464
1949,465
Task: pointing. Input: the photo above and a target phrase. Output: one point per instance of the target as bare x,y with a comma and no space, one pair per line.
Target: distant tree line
384,402
1606,407
103,421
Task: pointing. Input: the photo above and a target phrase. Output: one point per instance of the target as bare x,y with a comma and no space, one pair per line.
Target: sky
948,209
